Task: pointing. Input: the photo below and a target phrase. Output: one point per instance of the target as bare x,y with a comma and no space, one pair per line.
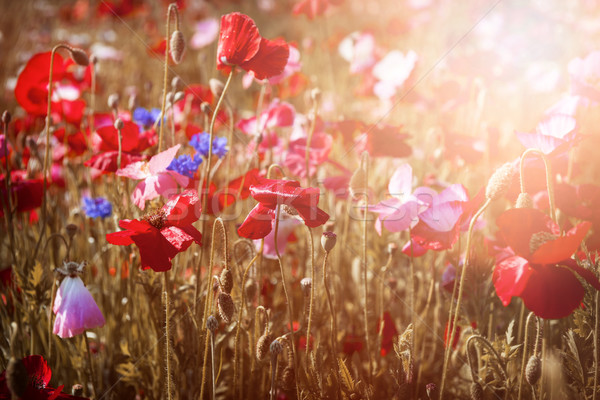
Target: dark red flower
388,334
279,192
161,235
26,194
352,343
540,270
384,141
38,376
240,44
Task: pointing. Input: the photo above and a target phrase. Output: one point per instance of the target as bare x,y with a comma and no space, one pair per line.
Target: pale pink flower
392,72
278,114
286,226
207,31
358,49
156,179
550,133
75,308
585,76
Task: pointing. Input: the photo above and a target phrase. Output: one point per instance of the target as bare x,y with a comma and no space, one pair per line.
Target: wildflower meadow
299,199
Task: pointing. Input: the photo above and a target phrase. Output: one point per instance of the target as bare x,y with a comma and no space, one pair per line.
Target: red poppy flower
389,333
26,193
352,343
279,192
240,44
384,141
541,271
38,378
311,8
318,153
133,141
107,161
239,185
161,235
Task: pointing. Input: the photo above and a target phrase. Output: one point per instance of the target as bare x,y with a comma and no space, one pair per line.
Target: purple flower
186,165
144,117
97,207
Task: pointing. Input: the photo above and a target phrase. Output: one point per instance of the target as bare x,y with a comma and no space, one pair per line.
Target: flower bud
119,124
328,240
276,347
288,378
538,239
306,284
392,248
533,370
315,95
113,101
216,87
500,182
79,56
262,346
77,390
226,280
431,389
225,306
178,97
133,102
205,108
212,324
6,117
177,46
71,230
176,83
524,201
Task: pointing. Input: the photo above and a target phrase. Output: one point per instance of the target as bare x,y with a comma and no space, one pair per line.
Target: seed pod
71,230
16,377
328,240
262,346
177,46
216,87
533,370
113,101
79,56
6,117
500,182
226,307
212,324
226,280
476,391
524,201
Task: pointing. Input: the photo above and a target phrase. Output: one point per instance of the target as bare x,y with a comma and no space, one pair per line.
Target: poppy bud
216,87
71,230
315,95
119,124
524,201
328,240
177,46
113,101
178,97
212,324
79,56
476,391
358,182
93,59
500,182
175,83
262,346
225,306
288,378
16,377
77,390
533,370
6,117
205,108
276,347
226,280
431,389
133,102
391,248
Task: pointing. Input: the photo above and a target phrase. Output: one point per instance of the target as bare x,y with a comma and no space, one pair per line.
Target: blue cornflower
146,118
96,207
186,165
200,143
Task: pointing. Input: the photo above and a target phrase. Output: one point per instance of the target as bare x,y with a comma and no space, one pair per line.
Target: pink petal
286,227
75,309
136,170
401,181
161,161
510,278
442,217
206,33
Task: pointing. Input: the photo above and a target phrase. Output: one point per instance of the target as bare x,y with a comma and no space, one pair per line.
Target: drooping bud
533,370
225,306
178,97
500,182
6,117
276,347
262,346
226,280
177,46
113,101
205,108
392,248
71,230
315,95
328,240
358,182
212,324
119,124
306,284
216,87
79,56
133,102
176,83
524,201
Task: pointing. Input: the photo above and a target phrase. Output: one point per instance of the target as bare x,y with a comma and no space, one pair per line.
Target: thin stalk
333,321
309,136
461,287
312,290
212,362
273,376
288,300
365,163
596,345
204,193
524,358
549,178
8,212
90,364
119,154
167,334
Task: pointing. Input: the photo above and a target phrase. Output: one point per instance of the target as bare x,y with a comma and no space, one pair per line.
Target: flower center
289,210
538,239
156,218
37,382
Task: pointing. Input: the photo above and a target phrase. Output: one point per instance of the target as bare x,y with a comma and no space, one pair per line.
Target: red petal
312,216
552,292
561,248
258,223
38,367
270,60
239,40
107,161
510,278
517,225
183,209
120,238
180,238
586,274
276,191
132,141
31,89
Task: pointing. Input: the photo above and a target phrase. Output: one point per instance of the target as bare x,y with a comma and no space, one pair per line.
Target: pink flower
392,71
157,180
286,227
552,132
207,31
359,50
278,114
74,306
585,76
318,153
